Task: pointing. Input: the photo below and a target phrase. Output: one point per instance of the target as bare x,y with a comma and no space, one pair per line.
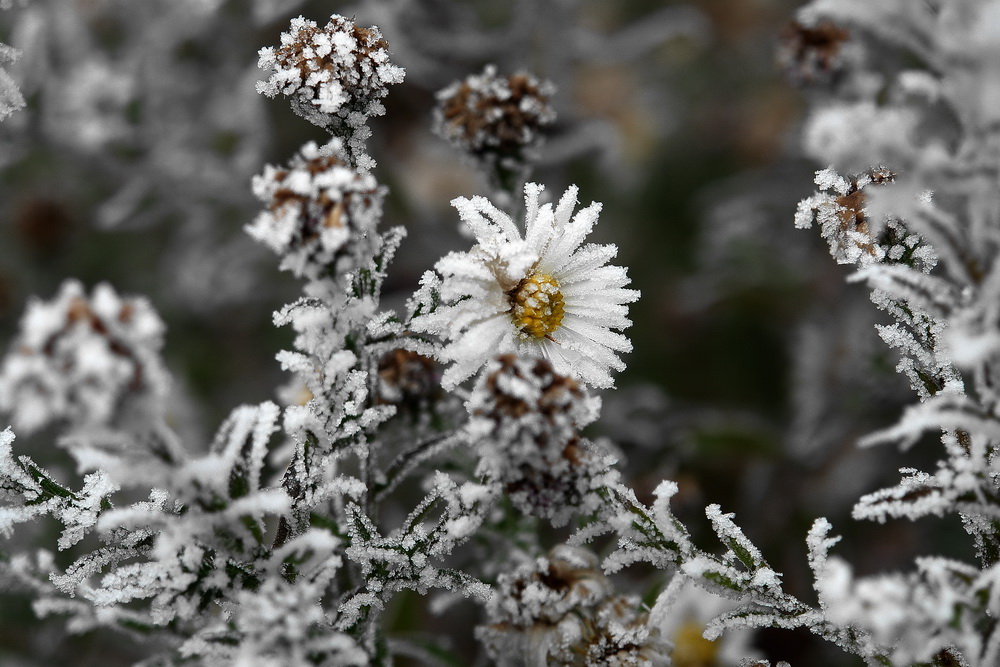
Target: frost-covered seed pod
561,610
840,210
568,579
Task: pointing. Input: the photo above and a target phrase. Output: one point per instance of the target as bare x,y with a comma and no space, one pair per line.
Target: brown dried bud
491,114
406,377
852,204
811,54
315,208
526,420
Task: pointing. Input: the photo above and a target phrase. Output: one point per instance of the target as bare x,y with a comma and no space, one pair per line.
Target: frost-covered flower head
335,76
316,206
561,610
491,114
82,359
540,294
549,589
406,377
525,420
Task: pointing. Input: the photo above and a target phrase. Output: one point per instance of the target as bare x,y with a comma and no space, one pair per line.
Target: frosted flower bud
315,208
525,420
811,54
491,115
83,359
334,77
619,636
561,610
567,580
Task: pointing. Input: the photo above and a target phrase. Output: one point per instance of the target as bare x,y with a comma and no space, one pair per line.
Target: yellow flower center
537,305
691,649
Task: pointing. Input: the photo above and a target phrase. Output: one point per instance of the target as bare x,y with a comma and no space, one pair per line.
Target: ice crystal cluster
432,453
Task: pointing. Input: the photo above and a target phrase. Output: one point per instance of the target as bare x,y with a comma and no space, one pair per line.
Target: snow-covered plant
433,451
924,238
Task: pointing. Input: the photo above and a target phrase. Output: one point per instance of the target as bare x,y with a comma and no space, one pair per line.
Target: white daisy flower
683,612
543,294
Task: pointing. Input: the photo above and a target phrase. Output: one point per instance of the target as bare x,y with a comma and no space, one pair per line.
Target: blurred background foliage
755,367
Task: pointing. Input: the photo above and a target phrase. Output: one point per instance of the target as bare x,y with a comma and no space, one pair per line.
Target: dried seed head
335,77
840,209
567,580
525,421
315,208
529,392
491,115
563,609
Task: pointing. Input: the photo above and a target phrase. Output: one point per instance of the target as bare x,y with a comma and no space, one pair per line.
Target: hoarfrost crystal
541,294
